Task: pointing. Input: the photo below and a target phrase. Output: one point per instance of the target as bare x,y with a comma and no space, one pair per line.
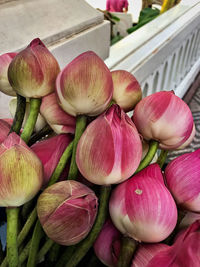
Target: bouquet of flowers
82,167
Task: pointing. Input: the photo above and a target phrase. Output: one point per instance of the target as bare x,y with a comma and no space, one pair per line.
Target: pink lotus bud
190,139
5,86
40,123
107,245
110,149
21,172
57,118
146,252
127,91
142,207
185,252
67,211
117,5
164,117
49,152
183,180
188,219
4,129
33,72
85,85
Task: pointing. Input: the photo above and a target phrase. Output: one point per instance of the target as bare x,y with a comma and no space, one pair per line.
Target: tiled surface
194,105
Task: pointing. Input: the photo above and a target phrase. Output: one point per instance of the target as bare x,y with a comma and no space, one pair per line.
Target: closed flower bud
110,149
127,91
67,211
117,5
185,252
57,118
145,252
164,117
33,72
49,152
21,172
5,86
107,245
4,129
40,123
183,180
85,85
142,207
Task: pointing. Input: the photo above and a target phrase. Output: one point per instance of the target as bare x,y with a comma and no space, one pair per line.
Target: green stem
162,158
53,254
37,136
126,252
24,254
61,164
66,256
12,226
32,118
153,146
44,249
80,127
19,114
83,247
35,241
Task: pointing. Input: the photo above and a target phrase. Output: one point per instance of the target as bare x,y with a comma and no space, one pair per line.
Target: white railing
165,53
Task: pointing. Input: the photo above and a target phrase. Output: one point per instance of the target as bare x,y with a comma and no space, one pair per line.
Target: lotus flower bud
107,245
164,117
49,152
58,119
190,139
188,219
40,123
5,86
183,180
21,172
145,253
185,252
142,207
4,129
110,149
117,5
85,86
127,91
33,72
67,211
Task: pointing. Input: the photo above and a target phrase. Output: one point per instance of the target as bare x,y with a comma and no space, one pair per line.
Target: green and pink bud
145,253
5,61
21,172
127,91
183,180
49,151
32,73
4,129
85,86
67,211
110,149
57,118
143,208
107,245
164,117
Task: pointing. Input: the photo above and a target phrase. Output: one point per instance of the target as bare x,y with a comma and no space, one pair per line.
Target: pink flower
110,149
85,85
107,245
183,180
4,129
5,86
185,252
142,207
117,5
127,91
49,152
164,117
33,72
57,118
145,252
67,211
21,172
